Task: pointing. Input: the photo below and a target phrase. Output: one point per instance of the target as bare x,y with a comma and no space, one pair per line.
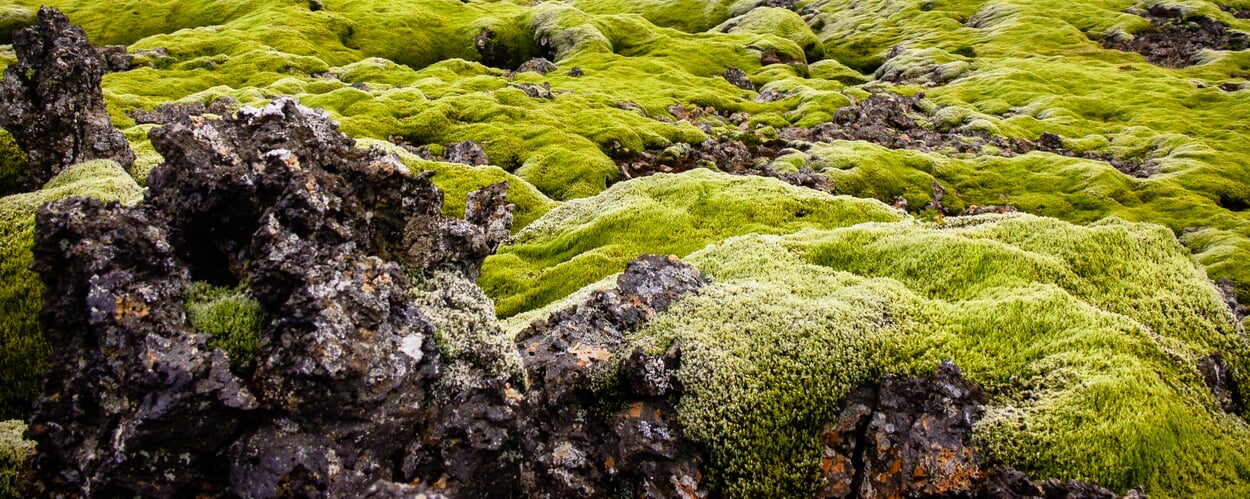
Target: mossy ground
1086,335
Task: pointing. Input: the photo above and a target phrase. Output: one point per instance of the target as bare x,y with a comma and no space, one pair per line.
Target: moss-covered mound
1087,338
23,351
584,240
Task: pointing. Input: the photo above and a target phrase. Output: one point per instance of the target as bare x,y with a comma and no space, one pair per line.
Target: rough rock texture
174,112
115,58
323,234
466,153
1176,39
52,103
353,393
534,91
738,78
727,155
1218,376
911,437
638,450
538,65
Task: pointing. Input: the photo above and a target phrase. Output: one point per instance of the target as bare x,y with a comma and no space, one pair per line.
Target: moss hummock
583,241
1085,336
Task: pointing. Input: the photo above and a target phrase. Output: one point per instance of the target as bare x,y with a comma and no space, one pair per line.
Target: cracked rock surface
52,103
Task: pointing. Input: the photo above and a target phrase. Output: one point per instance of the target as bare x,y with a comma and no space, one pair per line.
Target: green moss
1085,337
13,169
466,332
23,350
13,18
232,318
13,450
582,241
780,22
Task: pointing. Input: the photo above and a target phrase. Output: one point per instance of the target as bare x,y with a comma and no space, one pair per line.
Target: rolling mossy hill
1082,317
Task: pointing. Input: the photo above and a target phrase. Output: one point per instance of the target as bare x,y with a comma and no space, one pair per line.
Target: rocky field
614,248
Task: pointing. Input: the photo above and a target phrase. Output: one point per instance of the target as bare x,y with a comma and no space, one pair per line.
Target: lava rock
534,91
537,65
175,112
325,236
1176,39
134,401
912,437
1218,377
738,78
52,103
115,58
466,153
638,450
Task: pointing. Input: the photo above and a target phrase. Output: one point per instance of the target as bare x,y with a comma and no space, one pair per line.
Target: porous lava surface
52,103
912,437
1175,38
351,396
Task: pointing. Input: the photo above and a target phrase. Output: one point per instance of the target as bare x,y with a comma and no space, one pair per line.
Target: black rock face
52,103
352,394
912,437
638,450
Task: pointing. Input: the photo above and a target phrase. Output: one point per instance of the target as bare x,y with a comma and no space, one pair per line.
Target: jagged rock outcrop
638,450
355,392
52,103
323,234
912,437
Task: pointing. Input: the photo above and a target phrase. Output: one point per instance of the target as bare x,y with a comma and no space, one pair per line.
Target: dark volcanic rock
51,100
1218,377
134,401
911,437
324,235
638,450
353,394
115,58
1176,39
174,112
537,65
534,91
738,78
466,153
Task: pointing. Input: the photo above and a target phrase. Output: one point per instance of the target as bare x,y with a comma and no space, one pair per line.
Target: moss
465,330
580,241
13,450
13,18
23,350
232,318
780,22
1086,337
13,169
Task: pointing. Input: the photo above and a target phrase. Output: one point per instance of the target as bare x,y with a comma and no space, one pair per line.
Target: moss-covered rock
1086,337
23,350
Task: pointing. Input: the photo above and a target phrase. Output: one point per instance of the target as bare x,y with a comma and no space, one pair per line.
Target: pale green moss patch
13,450
232,318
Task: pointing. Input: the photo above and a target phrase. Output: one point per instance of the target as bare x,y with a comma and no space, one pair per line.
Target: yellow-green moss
231,317
1086,337
23,350
582,241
